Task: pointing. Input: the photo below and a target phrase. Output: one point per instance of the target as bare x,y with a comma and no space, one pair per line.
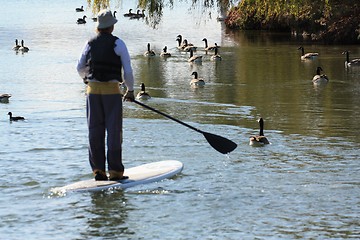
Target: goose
4,98
16,46
149,53
15,118
81,20
259,140
139,14
180,46
187,46
209,48
194,58
197,81
216,56
23,48
164,53
129,14
143,95
305,56
353,62
320,78
80,9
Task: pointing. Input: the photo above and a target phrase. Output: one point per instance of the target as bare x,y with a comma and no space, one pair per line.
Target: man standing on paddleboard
100,65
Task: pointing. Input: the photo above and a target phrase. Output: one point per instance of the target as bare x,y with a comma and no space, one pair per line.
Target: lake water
304,185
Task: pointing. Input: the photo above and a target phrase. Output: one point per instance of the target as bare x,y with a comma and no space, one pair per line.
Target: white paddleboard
147,173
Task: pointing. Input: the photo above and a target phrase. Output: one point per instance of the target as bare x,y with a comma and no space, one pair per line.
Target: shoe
117,176
100,175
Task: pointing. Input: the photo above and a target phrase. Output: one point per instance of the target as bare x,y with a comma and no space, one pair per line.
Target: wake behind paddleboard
143,174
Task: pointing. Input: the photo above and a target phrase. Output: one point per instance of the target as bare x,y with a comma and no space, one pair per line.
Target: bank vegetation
328,21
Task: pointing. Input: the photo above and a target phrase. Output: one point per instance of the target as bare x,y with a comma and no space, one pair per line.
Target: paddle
221,144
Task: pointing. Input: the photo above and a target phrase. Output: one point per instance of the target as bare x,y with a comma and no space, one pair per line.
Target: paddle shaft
170,117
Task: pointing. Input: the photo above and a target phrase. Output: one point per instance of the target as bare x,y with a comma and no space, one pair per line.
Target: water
304,185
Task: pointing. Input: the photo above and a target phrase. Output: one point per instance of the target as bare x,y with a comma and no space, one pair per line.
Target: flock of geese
185,46
319,78
139,14
21,47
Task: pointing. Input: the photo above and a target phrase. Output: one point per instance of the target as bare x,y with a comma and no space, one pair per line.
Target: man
100,66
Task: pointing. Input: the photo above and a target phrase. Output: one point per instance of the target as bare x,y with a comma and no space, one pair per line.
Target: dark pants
104,115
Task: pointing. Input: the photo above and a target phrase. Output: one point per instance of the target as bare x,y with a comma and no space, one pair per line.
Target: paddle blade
219,143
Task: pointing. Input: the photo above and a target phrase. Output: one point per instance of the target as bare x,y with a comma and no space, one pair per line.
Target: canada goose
114,14
149,53
143,95
81,20
353,62
187,46
4,98
23,48
164,53
197,81
129,14
183,44
139,14
320,78
180,46
216,56
259,140
80,9
195,59
305,56
15,118
16,46
209,48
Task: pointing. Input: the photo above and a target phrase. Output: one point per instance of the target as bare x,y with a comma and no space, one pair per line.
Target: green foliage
326,20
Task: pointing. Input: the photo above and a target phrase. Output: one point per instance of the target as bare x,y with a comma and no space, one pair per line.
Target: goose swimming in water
138,14
193,58
216,56
15,118
259,140
165,53
197,81
184,45
149,53
81,20
320,78
353,62
307,56
80,9
16,46
187,47
4,98
143,95
23,48
209,48
129,14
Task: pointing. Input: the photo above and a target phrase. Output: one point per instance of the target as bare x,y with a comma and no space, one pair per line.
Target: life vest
104,64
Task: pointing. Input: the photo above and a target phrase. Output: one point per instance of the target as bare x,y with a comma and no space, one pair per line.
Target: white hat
105,19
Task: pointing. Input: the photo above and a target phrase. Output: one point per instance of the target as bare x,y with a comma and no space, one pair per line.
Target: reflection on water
155,8
107,215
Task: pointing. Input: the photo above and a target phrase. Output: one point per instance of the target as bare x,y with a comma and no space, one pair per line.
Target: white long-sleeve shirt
120,50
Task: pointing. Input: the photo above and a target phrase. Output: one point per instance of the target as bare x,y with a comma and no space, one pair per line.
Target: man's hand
129,96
